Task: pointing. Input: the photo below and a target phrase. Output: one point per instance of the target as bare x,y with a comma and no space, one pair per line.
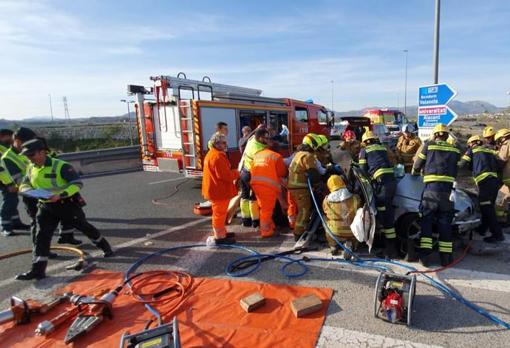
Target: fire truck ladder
182,83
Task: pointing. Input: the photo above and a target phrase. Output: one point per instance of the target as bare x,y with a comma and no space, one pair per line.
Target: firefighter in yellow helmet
340,207
302,167
374,159
407,146
502,140
488,137
323,153
482,161
438,159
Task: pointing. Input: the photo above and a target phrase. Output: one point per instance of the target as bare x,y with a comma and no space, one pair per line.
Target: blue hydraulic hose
438,285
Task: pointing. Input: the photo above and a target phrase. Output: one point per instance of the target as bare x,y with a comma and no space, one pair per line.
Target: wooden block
252,302
302,306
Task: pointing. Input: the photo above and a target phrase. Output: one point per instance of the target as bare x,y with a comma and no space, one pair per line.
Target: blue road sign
428,117
435,95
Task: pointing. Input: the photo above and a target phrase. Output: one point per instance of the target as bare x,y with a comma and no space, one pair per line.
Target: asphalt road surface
122,206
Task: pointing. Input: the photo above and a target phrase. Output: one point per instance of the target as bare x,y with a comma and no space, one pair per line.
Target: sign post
433,108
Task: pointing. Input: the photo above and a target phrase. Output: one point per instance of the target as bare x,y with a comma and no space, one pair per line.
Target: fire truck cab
177,116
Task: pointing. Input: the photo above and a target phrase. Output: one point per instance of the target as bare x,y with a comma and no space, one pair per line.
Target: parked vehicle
178,115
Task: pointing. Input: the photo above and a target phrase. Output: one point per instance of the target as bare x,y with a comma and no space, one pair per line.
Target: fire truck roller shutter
168,135
210,116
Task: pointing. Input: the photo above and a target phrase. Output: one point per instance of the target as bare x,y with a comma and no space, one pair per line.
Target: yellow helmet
473,139
488,132
323,140
335,182
312,140
440,128
368,135
501,133
451,140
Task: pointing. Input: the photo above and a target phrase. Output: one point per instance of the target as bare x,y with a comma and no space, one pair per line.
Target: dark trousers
487,193
48,218
31,209
246,191
9,209
437,208
384,191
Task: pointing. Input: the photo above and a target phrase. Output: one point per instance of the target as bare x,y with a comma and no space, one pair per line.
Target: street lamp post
405,83
435,62
129,119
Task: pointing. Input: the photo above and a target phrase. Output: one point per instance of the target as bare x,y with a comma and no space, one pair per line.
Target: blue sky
90,50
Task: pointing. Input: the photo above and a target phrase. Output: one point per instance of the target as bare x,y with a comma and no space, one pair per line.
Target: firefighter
218,186
374,159
482,160
15,166
323,152
249,207
438,159
221,128
302,167
502,139
488,134
350,144
407,146
59,178
340,207
267,170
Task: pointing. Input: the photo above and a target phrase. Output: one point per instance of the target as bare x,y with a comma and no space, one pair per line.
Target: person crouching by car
218,186
340,207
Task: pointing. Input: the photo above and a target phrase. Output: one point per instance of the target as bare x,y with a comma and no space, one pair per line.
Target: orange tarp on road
210,317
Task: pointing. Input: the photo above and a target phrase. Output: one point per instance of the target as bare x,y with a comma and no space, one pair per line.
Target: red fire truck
177,116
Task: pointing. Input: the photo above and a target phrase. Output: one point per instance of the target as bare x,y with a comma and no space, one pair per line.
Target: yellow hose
79,265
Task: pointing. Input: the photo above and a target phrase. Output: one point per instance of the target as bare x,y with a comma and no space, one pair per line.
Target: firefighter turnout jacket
504,157
406,149
482,161
374,159
301,164
439,161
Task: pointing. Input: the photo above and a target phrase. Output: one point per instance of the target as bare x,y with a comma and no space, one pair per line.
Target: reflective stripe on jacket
375,161
439,161
301,163
267,169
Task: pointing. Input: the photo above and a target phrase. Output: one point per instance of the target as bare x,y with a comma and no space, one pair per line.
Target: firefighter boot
105,247
446,258
37,272
68,238
426,258
391,249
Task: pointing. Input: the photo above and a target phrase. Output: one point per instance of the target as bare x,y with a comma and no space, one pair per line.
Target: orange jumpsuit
267,169
218,187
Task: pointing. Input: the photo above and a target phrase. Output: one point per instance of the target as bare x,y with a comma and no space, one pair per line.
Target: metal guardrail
104,161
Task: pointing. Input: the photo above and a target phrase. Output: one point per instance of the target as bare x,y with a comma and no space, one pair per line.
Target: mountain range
460,107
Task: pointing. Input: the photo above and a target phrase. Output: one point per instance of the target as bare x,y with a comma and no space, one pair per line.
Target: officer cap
488,132
31,146
5,131
24,134
335,182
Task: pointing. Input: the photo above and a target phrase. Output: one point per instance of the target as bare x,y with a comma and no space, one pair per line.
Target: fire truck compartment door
168,129
211,116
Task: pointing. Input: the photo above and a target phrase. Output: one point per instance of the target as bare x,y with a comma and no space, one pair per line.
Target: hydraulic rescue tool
394,297
164,336
21,311
88,312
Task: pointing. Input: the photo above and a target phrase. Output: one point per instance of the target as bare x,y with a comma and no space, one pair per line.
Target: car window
322,117
301,114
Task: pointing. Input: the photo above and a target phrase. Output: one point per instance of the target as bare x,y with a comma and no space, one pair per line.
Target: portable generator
394,296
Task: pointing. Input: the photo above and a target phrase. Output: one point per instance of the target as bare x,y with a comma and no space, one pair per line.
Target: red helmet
349,134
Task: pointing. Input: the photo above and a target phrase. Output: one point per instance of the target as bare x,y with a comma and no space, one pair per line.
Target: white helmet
407,128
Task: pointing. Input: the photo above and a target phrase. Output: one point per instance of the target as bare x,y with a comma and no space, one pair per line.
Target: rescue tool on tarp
21,311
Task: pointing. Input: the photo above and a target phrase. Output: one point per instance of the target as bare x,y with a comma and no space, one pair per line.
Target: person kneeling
340,207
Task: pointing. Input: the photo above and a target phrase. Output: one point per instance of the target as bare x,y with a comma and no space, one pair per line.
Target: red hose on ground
440,269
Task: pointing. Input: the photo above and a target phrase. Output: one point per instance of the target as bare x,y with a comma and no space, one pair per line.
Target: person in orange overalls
266,171
218,186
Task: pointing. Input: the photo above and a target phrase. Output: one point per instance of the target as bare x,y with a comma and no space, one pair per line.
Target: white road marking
97,253
333,337
167,180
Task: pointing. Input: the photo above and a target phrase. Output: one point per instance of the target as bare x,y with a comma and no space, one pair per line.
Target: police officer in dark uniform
482,161
61,180
374,160
439,161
